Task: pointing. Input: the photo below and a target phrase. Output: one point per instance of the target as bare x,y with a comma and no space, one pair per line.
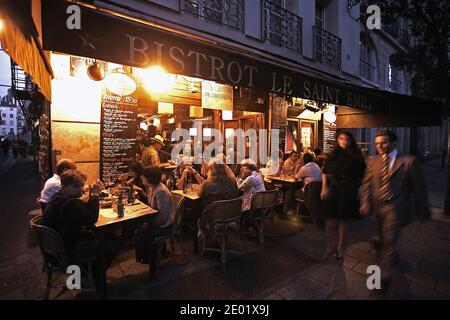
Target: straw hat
158,139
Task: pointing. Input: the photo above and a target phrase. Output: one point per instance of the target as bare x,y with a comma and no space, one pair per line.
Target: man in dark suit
393,191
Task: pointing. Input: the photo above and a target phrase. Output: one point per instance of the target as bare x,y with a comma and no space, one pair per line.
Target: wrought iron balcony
394,84
230,13
366,70
327,47
282,27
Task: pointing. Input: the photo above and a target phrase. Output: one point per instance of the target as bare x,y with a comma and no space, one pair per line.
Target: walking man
393,191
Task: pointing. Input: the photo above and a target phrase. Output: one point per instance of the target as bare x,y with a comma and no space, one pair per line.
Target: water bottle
120,207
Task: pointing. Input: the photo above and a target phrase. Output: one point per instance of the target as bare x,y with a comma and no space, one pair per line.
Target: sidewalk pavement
289,267
424,250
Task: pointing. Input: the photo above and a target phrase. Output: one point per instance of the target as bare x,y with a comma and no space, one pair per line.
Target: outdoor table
288,183
194,202
135,214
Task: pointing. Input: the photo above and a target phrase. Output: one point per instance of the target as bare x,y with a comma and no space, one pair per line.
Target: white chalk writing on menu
118,134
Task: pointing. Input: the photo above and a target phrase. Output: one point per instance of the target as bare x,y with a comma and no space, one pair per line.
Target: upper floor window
282,27
327,46
224,12
320,16
394,76
367,62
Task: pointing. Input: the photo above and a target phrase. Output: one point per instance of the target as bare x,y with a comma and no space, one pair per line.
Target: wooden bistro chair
55,257
177,231
262,208
309,206
223,217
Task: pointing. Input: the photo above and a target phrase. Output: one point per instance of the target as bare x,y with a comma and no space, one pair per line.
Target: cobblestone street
289,266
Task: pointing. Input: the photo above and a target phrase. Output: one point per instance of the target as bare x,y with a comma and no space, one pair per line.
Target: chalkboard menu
279,118
329,136
118,134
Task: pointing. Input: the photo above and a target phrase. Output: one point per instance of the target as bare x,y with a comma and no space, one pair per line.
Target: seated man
53,185
309,172
133,179
311,176
250,181
72,215
290,165
159,198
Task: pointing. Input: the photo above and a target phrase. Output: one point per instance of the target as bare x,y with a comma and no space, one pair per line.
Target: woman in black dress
342,174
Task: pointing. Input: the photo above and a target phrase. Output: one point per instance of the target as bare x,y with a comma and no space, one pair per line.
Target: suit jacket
407,184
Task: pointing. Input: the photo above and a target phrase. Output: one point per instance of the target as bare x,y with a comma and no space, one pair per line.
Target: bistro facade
115,75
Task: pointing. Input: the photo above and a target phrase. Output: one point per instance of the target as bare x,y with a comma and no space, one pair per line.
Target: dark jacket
214,190
407,186
71,218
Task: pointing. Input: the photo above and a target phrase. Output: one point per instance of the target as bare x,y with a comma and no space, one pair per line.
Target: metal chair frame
55,257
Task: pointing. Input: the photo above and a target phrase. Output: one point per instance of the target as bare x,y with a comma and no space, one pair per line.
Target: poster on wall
118,134
279,119
216,96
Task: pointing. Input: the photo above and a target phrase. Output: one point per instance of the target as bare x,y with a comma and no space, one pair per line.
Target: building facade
327,37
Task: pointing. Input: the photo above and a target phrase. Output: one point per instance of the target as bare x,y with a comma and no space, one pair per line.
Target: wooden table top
189,196
283,179
137,210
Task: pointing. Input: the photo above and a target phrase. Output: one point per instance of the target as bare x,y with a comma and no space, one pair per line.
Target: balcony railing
394,84
366,70
327,47
282,27
229,13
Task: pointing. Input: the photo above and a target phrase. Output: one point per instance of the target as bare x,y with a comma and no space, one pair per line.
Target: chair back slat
178,203
225,211
264,199
51,244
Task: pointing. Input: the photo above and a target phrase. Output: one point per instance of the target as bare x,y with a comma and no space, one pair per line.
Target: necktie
385,188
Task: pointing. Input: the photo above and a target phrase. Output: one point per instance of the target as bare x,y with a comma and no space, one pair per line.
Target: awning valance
108,37
20,45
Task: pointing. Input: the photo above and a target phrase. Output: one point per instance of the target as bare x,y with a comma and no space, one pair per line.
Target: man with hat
150,155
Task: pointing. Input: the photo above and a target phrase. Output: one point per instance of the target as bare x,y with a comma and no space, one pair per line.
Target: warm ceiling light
165,107
156,79
2,25
118,82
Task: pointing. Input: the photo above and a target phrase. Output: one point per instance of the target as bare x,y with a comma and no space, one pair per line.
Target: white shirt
309,172
392,156
51,186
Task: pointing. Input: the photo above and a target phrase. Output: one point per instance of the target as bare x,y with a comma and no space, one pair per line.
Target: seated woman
290,165
134,179
220,185
250,181
187,174
72,215
159,198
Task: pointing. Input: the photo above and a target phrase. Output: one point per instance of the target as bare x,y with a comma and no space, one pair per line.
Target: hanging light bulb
95,72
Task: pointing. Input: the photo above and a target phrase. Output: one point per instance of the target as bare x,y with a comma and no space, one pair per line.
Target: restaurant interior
81,88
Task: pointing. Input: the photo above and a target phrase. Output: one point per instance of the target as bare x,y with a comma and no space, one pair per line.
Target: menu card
118,134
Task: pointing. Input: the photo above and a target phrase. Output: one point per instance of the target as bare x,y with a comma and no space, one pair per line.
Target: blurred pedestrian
390,183
342,174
